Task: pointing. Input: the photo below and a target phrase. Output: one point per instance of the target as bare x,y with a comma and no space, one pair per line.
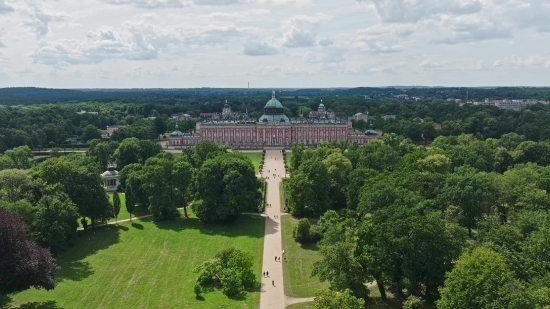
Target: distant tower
321,111
226,109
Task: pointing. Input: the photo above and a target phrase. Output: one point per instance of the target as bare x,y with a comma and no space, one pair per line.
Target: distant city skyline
273,43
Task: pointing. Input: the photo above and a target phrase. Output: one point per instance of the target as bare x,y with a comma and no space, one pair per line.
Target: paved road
273,296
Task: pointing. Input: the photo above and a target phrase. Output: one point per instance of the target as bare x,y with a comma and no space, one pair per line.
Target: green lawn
288,157
308,305
297,270
147,265
138,211
256,157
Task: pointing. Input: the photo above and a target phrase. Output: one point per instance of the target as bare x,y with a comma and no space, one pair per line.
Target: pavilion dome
111,172
321,105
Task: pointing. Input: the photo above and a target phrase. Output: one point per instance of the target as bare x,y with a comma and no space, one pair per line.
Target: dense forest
29,96
464,224
51,125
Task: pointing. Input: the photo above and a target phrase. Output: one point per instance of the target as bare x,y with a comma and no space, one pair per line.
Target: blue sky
273,43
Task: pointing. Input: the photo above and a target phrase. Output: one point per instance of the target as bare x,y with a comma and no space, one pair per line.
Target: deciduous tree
116,205
55,221
23,263
227,186
479,280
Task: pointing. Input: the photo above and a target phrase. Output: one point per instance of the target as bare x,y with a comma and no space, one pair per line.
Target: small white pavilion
110,179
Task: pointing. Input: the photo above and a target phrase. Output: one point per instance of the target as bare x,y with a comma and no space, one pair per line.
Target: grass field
297,270
308,305
256,157
147,265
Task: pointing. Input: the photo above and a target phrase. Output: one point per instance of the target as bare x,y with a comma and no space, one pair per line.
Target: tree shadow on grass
137,226
5,300
73,270
379,303
199,298
312,247
51,304
251,226
70,262
140,211
240,296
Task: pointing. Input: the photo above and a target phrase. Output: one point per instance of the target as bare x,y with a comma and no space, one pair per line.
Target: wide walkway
273,295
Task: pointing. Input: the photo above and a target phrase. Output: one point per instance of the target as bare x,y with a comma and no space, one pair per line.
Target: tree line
52,125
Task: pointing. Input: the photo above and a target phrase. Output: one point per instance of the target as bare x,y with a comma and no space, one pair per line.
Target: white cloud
149,4
39,18
464,29
536,61
99,46
416,10
326,42
259,48
298,38
158,4
429,64
301,30
333,43
330,56
5,8
135,41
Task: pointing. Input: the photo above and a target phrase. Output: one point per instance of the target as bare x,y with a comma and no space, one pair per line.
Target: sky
273,43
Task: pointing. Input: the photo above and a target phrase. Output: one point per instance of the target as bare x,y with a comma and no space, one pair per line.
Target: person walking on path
264,274
267,273
273,282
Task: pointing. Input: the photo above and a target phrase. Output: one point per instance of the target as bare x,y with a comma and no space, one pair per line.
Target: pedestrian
267,273
264,274
273,282
283,251
275,258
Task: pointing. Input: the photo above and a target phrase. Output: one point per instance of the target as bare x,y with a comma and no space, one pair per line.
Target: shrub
301,231
315,233
412,302
231,270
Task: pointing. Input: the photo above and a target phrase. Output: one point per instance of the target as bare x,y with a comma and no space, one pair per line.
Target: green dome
273,103
274,118
176,133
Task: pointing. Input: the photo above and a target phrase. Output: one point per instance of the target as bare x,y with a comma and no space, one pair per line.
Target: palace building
274,128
